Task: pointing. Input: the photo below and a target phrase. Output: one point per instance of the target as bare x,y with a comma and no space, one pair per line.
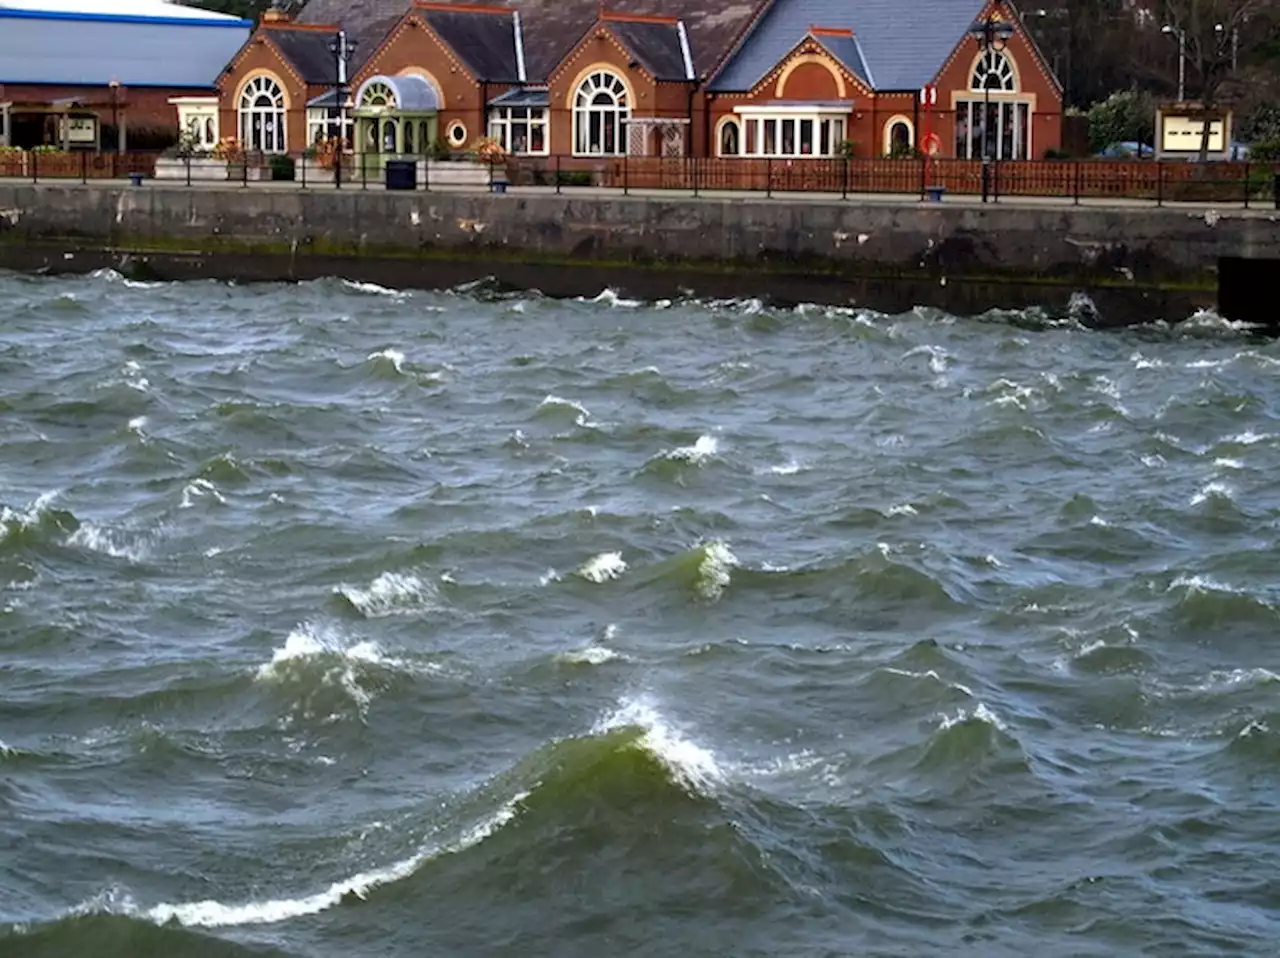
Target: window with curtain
521,130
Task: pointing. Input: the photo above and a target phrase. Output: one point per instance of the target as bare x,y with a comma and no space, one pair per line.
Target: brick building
739,78
72,69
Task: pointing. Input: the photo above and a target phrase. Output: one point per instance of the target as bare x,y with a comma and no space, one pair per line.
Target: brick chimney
277,13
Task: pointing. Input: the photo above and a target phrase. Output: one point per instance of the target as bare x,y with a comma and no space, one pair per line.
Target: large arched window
262,116
600,114
993,71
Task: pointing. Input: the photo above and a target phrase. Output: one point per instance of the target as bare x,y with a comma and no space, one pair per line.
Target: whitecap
902,509
1142,362
374,289
938,357
789,468
1248,438
548,577
1222,680
690,763
1254,727
1198,583
137,424
393,356
610,297
1213,490
216,914
108,542
29,517
603,567
1228,463
583,417
714,570
978,714
311,645
591,655
392,593
1100,522
198,489
695,455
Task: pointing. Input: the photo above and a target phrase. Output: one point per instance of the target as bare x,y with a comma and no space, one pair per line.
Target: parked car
1127,150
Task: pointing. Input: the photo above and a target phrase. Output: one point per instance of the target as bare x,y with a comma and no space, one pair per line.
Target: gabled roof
902,45
844,48
484,39
552,27
657,45
307,52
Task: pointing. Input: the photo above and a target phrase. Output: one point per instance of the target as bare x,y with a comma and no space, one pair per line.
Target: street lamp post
342,50
992,33
114,86
1168,30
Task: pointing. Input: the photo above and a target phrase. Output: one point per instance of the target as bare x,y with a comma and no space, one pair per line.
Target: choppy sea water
337,620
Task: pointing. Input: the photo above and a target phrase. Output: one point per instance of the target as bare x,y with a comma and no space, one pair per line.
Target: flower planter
201,167
460,173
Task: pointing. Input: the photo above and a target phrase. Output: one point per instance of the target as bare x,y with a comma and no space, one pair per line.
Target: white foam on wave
373,289
136,425
902,509
1248,438
938,357
133,377
1199,583
930,674
216,914
392,593
702,450
109,542
311,645
583,417
688,762
610,297
789,468
200,489
1222,680
1228,463
603,567
1212,490
715,569
29,517
1099,522
978,714
591,655
1142,362
393,356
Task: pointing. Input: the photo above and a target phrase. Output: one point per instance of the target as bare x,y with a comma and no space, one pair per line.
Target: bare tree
1219,43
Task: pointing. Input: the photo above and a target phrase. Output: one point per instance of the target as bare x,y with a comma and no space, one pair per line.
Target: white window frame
272,132
323,123
780,132
994,63
198,116
504,120
614,116
1012,114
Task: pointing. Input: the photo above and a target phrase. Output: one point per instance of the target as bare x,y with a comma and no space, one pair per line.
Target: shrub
282,167
1265,151
574,178
1052,153
1121,117
440,149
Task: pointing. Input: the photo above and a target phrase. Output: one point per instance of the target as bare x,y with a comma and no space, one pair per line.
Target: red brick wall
260,55
600,47
141,106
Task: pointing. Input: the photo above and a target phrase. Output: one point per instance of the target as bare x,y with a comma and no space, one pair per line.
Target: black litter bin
402,174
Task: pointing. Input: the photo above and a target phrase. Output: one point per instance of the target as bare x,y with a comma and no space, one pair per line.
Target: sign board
1182,134
82,130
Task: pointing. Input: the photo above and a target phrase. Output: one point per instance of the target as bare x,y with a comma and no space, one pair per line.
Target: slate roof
846,51
523,96
307,51
486,42
903,44
552,27
655,45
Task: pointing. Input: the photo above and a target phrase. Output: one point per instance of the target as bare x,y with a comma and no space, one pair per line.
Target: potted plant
321,159
188,158
449,167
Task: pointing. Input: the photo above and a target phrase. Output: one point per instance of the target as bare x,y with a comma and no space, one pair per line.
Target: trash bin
402,174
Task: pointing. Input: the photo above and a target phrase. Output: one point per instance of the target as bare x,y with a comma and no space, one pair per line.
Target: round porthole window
457,133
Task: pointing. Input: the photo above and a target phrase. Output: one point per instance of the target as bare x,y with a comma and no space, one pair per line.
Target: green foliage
846,148
440,149
282,167
1265,151
1261,125
1129,115
1052,153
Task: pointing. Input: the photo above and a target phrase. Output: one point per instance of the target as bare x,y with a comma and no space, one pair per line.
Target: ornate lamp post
1181,35
343,50
992,33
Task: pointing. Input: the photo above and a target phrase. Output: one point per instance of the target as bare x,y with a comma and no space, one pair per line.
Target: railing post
1246,184
768,177
302,161
35,168
694,163
844,180
244,171
995,181
1159,183
924,178
1075,189
626,176
557,174
84,169
364,171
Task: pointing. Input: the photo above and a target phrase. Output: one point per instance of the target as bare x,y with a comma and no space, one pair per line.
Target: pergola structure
65,123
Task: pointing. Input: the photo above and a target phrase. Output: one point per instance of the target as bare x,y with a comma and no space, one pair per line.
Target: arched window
408,137
378,95
262,116
993,71
388,136
730,139
600,114
899,138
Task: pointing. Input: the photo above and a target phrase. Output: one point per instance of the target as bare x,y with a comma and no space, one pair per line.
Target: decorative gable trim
260,38
411,21
599,31
1001,10
810,47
